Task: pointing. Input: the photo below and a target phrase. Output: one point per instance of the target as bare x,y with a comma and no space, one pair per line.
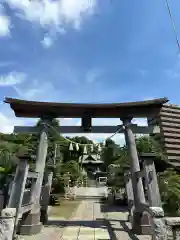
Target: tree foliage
110,152
67,161
169,183
148,144
169,180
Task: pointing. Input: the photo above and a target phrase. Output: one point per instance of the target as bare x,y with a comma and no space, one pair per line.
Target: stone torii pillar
40,164
138,190
17,192
30,223
46,189
129,192
45,195
19,182
154,197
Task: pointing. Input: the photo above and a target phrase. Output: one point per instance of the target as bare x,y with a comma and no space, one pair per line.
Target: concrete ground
90,222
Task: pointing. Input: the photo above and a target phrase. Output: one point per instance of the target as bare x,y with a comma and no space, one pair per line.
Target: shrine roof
33,109
90,158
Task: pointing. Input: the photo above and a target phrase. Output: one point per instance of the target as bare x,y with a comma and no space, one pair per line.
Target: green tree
169,184
110,152
148,144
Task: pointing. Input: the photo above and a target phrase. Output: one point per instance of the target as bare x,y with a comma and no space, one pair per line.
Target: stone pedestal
30,224
7,223
158,223
174,224
146,224
136,222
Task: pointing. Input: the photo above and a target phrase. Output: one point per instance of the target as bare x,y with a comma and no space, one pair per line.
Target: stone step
85,238
85,233
89,197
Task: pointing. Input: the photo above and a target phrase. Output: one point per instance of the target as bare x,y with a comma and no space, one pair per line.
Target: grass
65,209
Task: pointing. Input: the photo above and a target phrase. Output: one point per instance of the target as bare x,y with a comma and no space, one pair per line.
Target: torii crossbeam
142,109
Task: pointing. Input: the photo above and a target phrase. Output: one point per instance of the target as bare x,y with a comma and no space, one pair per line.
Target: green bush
169,184
57,185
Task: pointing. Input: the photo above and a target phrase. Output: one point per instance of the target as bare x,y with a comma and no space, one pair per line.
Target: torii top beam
32,109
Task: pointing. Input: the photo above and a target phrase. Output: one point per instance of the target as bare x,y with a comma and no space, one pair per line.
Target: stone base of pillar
141,223
146,225
7,223
136,223
30,224
129,218
44,216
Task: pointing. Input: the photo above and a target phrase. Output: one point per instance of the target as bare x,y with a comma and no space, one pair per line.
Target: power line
173,24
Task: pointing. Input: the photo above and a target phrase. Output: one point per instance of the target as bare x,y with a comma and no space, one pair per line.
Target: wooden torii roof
32,109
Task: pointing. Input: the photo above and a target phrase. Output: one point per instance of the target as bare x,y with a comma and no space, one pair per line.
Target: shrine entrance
91,162
137,206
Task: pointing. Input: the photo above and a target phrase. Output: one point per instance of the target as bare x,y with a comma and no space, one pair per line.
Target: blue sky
87,51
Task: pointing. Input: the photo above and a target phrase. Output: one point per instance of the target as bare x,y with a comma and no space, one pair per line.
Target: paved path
90,222
84,225
118,226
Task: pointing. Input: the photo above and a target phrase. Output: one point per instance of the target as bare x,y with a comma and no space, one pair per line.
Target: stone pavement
118,226
90,222
83,225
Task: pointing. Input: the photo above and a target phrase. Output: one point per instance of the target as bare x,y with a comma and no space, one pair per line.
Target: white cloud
36,90
8,121
140,121
93,75
4,26
73,10
5,23
54,13
12,79
67,119
51,36
47,41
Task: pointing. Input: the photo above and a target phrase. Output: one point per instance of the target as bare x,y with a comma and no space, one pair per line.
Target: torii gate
46,111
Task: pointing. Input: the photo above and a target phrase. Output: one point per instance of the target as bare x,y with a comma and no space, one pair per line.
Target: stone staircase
90,192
